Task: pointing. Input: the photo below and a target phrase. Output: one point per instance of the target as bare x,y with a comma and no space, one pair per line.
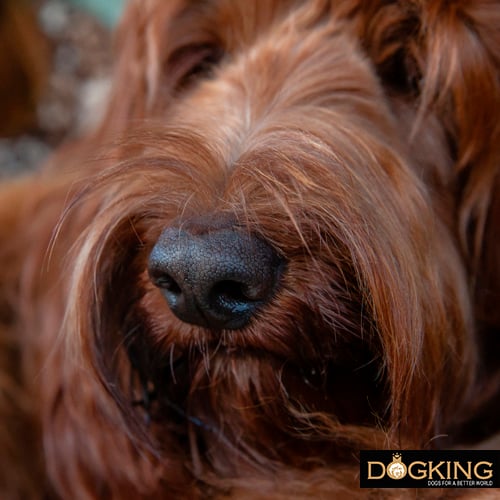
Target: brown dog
278,249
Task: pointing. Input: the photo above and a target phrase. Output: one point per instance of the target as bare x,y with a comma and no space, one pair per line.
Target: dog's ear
460,66
461,77
445,57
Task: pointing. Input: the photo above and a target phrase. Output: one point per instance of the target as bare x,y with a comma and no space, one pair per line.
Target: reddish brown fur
361,139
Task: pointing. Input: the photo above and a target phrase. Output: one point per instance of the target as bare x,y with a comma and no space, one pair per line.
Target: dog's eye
194,62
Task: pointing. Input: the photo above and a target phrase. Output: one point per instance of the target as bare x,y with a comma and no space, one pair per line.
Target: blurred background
55,64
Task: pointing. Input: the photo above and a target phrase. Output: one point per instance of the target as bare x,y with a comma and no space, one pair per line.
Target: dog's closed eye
192,63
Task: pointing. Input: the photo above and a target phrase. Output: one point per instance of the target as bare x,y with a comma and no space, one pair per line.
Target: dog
277,249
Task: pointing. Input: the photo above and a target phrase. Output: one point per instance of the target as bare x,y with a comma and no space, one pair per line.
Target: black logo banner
430,469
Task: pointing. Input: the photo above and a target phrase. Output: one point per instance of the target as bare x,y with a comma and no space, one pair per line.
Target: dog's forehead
232,22
266,45
235,25
285,65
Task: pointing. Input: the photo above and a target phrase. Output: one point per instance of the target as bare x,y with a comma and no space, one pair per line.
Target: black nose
216,279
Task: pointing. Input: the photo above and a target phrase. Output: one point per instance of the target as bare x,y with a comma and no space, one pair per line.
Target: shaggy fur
361,140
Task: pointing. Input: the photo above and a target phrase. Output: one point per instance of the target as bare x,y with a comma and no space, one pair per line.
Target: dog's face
273,246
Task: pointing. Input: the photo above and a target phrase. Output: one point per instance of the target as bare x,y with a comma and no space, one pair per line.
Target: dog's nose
216,279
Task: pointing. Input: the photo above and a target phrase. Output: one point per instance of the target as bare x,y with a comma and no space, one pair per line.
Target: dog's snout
216,279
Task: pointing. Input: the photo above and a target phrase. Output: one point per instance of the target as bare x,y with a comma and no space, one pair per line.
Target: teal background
108,11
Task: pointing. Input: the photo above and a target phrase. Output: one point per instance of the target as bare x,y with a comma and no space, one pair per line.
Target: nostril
231,291
232,299
170,288
166,282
